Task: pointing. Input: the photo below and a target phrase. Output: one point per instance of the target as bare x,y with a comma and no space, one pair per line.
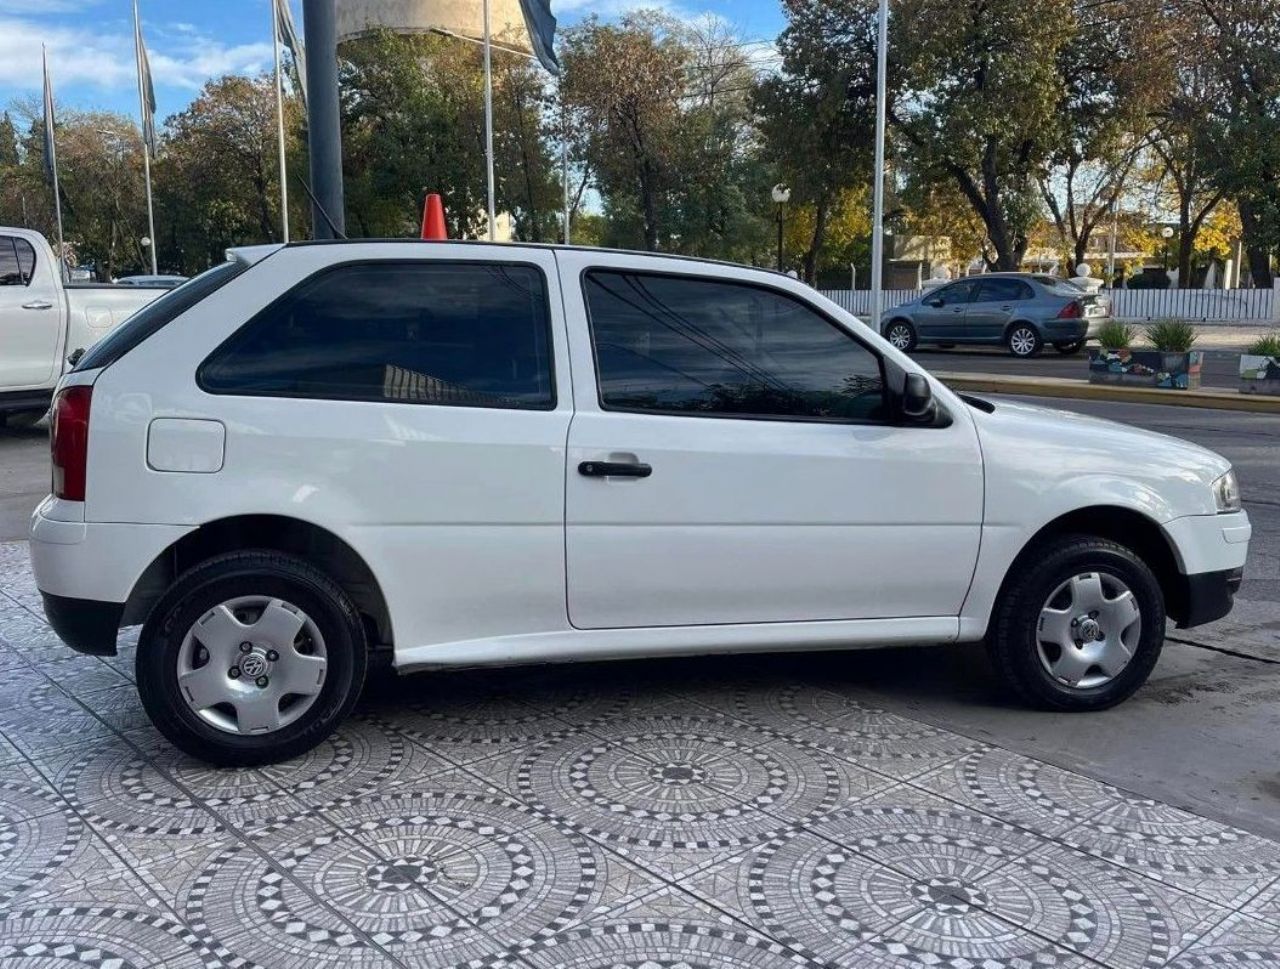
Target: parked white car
43,320
462,454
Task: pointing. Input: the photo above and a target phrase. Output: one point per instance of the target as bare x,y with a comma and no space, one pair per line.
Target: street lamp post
1167,233
781,196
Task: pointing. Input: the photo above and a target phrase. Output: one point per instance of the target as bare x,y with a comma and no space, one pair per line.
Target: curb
1083,390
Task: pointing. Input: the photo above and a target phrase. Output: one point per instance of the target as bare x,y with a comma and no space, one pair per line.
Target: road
1202,735
1221,368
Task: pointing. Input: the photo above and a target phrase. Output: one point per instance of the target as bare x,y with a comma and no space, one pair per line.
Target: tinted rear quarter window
158,314
458,334
1003,290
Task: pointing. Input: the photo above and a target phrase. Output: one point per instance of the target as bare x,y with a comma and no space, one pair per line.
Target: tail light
1072,311
69,442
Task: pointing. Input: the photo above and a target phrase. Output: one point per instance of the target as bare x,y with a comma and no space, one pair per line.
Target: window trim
35,259
551,405
885,393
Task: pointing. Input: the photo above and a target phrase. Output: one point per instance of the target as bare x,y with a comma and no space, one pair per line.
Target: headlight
1226,493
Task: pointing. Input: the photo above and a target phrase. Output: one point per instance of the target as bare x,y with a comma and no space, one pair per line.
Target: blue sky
91,43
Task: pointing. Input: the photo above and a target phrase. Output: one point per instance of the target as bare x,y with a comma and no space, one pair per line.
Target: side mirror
75,356
917,398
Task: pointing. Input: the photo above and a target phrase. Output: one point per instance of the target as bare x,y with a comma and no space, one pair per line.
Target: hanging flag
146,89
522,26
542,30
289,34
50,151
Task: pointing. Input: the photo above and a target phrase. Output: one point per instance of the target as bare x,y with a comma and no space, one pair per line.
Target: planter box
1259,375
1146,368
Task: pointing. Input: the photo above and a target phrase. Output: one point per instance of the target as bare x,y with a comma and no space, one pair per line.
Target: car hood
1064,450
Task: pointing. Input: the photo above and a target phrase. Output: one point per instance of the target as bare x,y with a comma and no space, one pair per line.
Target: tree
217,178
8,144
816,114
624,83
978,90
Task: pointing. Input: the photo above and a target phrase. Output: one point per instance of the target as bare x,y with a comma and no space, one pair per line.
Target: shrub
1115,335
1267,346
1171,336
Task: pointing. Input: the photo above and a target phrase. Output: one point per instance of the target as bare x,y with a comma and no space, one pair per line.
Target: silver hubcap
1089,630
1022,342
252,665
900,337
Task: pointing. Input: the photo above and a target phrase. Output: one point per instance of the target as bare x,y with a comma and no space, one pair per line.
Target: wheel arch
276,533
1013,324
1124,526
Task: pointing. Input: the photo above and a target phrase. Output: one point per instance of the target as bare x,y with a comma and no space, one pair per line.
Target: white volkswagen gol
468,454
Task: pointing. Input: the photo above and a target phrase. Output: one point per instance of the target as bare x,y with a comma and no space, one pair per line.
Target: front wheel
1024,341
1069,347
901,335
250,658
1080,627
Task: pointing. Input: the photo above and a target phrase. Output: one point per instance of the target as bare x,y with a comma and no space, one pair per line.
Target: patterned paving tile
81,676
847,728
1238,941
39,717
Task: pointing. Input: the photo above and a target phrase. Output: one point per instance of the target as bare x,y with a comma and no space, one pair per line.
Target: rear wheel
1068,347
1081,627
250,658
902,335
1023,340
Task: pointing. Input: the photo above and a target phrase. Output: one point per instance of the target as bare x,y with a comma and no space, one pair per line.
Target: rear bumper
86,625
1210,596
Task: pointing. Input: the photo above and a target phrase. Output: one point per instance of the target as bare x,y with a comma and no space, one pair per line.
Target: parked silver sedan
1022,311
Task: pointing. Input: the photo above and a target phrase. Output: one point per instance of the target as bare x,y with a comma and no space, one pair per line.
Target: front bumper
1209,596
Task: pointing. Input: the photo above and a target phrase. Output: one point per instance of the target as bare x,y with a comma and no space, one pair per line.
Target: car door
30,316
995,306
943,317
730,461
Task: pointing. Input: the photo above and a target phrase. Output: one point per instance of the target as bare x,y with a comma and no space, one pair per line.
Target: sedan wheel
901,335
1024,341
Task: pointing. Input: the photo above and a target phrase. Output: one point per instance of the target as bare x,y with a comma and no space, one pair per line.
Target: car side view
320,456
1021,311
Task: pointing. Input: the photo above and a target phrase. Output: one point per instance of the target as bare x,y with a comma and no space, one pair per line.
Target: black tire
1013,640
1069,347
909,340
226,577
1015,338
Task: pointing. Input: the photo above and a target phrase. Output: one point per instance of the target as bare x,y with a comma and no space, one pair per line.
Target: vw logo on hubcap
253,665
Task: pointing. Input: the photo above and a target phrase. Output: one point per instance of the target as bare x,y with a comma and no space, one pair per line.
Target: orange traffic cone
433,226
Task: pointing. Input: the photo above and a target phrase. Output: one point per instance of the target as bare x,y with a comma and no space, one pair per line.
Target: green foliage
1267,346
1171,336
1115,335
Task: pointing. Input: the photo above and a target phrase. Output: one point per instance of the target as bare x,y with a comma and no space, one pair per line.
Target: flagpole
488,121
877,227
284,175
146,150
53,165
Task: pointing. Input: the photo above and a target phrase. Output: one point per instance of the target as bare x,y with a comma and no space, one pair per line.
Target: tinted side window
17,261
1003,291
700,347
462,334
956,293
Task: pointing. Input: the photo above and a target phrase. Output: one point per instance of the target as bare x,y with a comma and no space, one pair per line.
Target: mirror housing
918,404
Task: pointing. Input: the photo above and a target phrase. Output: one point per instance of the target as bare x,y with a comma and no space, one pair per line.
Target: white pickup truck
43,320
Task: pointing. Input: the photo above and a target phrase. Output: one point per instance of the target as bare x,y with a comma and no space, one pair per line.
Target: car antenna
320,208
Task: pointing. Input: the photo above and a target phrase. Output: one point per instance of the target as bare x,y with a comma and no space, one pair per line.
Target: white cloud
80,55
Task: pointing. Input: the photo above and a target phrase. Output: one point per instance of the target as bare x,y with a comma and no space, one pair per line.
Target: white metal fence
1243,306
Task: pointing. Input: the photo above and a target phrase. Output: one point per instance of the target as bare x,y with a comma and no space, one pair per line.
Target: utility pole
324,126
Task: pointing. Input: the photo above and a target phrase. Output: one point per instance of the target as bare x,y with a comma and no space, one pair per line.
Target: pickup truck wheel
1081,627
250,658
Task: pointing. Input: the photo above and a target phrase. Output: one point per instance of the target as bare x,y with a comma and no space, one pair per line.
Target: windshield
158,314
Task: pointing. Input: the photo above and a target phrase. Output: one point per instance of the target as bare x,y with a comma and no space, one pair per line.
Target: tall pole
488,121
877,227
284,175
1111,247
568,203
146,149
53,167
324,127
781,234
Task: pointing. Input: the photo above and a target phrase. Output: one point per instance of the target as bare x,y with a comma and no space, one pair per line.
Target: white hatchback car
460,454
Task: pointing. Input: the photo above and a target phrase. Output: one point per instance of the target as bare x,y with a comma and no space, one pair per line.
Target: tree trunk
817,243
1256,250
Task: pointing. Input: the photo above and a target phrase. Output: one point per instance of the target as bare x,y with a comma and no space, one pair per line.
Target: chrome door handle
38,304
